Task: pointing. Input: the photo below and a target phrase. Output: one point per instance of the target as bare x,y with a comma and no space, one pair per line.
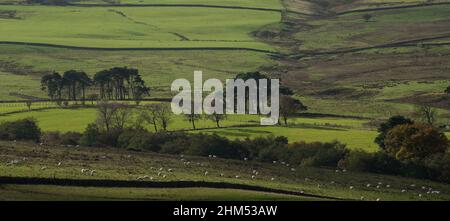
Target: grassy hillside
40,161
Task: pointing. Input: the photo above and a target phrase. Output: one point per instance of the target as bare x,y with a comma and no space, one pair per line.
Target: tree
426,113
290,106
53,84
416,140
163,115
29,103
216,118
367,17
105,115
447,90
384,128
149,114
192,117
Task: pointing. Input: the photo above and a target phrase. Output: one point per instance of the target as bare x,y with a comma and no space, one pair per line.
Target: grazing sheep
293,169
182,156
221,175
378,199
43,168
206,173
59,163
84,170
245,158
272,179
388,186
368,185
170,170
403,190
159,173
214,156
253,177
378,186
413,185
344,171
210,156
351,187
362,198
420,195
161,169
164,176
254,171
332,182
237,177
274,161
302,192
287,165
337,171
92,172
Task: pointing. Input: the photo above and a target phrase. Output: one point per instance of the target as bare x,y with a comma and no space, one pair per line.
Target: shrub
415,141
51,138
70,138
24,129
316,154
90,135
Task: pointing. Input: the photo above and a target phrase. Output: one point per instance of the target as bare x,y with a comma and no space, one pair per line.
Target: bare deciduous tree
426,113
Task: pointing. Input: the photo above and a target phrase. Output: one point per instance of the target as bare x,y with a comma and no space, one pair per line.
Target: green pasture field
350,131
22,66
135,27
42,192
118,164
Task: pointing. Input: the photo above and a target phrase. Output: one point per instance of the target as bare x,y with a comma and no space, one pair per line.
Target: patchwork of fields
353,63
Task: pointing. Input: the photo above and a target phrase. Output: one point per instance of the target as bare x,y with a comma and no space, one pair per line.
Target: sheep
388,186
206,173
237,177
210,156
214,156
254,171
344,171
293,169
378,199
164,176
351,187
221,175
368,185
337,171
302,192
92,172
253,177
182,156
380,183
378,186
403,190
43,168
84,170
362,198
274,162
413,185
420,195
245,158
161,169
272,179
59,163
287,165
159,173
332,182
170,170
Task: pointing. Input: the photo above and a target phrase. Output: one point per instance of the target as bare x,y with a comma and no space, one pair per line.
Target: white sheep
272,179
206,173
253,177
237,177
92,172
403,190
43,168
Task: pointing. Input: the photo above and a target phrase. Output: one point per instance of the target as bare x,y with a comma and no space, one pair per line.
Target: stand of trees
118,83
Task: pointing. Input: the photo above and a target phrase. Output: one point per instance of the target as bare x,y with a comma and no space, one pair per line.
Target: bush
25,129
51,138
70,138
316,154
415,141
90,135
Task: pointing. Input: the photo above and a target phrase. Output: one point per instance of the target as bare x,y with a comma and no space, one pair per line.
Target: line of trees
118,83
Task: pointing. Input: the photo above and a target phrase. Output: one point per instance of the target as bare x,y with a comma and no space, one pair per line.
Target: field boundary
151,184
407,43
137,49
392,8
